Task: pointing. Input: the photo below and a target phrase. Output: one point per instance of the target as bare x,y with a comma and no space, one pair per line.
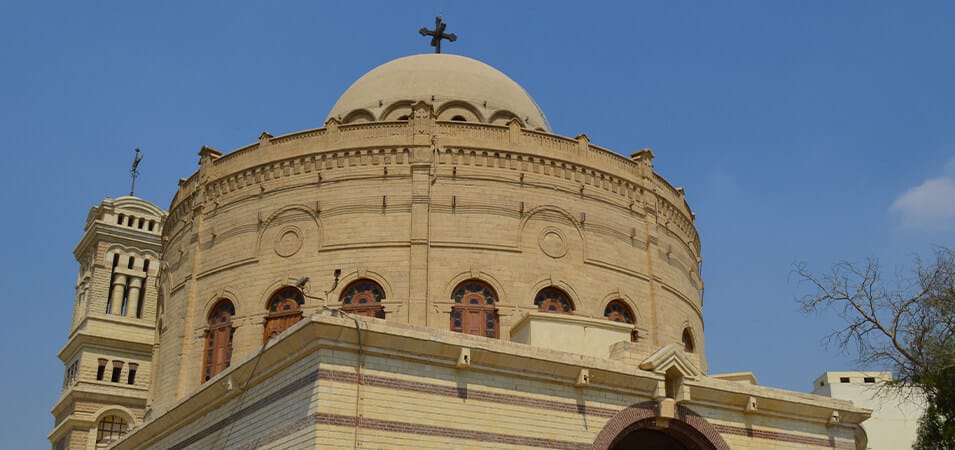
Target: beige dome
460,88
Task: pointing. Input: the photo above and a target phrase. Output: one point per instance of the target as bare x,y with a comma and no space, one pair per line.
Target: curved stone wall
419,206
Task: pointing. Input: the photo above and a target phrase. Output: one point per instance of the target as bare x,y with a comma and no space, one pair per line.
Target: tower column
116,296
132,305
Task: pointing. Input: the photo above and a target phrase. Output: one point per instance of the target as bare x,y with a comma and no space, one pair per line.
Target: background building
895,414
434,268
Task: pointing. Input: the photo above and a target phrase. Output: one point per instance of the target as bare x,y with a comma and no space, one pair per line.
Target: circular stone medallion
552,242
288,242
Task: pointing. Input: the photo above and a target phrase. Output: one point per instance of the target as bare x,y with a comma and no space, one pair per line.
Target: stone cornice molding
671,357
295,154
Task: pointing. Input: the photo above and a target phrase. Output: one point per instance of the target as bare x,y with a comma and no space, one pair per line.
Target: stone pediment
671,357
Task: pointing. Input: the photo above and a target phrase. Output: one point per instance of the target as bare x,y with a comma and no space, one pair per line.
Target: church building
432,268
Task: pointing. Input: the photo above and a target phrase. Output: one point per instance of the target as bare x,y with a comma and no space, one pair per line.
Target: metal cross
437,34
135,171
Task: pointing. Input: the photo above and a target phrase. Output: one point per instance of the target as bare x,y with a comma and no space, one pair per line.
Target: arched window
688,341
285,309
218,350
110,428
363,298
553,300
474,311
618,311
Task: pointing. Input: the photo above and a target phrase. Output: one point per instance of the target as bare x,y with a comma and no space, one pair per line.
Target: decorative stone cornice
671,357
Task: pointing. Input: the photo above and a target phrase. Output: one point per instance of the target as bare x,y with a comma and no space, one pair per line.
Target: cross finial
134,172
438,34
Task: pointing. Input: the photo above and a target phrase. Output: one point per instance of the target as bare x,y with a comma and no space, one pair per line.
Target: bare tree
907,327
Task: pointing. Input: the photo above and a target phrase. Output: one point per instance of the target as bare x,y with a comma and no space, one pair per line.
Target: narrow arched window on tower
131,378
554,300
117,371
101,369
112,281
218,349
285,309
688,345
363,298
475,309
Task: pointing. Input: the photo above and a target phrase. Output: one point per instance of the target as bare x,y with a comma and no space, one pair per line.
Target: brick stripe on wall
785,437
412,428
457,392
288,389
467,394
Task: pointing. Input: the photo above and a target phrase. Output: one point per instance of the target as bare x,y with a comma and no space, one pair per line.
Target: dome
458,87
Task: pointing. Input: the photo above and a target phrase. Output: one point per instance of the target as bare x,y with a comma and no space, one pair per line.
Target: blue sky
802,131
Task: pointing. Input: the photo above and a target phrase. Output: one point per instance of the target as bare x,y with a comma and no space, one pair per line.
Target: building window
474,311
285,309
218,349
844,379
63,443
618,311
553,300
868,379
72,371
110,429
117,370
101,370
363,298
688,345
131,378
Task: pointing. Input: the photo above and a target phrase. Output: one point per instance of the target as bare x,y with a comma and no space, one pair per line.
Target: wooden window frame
217,351
549,300
475,310
361,299
284,310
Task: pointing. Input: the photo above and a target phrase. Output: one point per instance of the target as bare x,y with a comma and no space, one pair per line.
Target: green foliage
936,430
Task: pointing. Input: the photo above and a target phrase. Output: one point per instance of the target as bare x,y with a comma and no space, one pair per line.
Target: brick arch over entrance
688,427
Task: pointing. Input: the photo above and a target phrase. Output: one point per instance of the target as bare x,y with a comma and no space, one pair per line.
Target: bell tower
109,348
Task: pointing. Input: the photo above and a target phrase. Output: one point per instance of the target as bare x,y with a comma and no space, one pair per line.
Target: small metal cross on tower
437,34
134,172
